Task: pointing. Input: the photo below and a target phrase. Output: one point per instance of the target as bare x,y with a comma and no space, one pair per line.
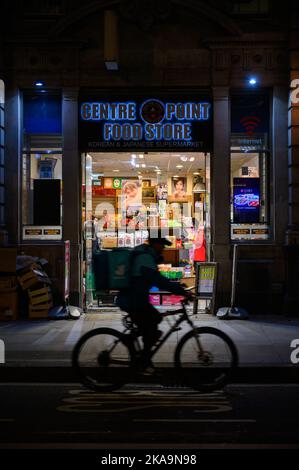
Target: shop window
249,196
2,143
127,196
42,167
250,166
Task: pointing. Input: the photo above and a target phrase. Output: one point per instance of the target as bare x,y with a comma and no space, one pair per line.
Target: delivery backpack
112,268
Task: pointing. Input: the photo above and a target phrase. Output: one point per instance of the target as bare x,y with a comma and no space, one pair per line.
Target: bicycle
105,359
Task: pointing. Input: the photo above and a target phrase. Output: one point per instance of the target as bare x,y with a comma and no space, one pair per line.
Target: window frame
41,142
269,223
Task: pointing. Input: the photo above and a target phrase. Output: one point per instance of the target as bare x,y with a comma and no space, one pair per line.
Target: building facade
238,57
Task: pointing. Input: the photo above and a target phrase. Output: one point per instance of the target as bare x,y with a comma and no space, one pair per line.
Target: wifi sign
250,123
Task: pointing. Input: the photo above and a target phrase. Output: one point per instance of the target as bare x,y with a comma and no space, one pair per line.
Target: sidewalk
262,342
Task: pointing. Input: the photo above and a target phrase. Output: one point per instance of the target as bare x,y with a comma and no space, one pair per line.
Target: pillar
13,185
293,226
280,162
71,171
220,194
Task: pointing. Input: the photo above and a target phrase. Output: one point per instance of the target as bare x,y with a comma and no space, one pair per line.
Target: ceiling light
184,158
137,165
191,159
141,155
116,171
176,176
143,165
133,155
199,188
179,166
196,173
252,81
39,83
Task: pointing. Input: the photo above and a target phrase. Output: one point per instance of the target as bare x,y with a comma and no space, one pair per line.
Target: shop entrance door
126,195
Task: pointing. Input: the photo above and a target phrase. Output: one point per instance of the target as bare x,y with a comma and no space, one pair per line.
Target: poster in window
162,192
246,200
179,190
131,195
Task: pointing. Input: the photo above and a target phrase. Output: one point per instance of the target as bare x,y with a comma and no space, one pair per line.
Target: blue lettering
149,132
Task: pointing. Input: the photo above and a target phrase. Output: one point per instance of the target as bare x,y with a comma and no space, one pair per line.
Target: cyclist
135,300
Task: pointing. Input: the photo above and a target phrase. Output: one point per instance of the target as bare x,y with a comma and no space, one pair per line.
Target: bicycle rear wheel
102,359
206,358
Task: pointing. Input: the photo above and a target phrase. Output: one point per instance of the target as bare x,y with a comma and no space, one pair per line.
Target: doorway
125,195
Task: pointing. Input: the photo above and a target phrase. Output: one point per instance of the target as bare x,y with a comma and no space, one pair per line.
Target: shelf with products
139,236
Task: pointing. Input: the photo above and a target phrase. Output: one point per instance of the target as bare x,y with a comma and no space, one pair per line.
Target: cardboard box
44,306
8,260
171,299
109,242
32,277
9,305
41,312
40,296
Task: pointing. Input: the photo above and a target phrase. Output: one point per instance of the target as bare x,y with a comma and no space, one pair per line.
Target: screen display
246,200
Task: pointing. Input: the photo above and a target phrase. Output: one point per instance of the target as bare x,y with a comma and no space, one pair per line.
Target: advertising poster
179,190
246,200
131,196
206,277
162,192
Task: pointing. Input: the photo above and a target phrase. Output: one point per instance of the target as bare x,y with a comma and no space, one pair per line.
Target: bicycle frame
183,317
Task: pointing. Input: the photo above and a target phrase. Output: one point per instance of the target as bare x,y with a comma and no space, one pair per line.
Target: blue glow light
161,122
98,111
39,83
252,81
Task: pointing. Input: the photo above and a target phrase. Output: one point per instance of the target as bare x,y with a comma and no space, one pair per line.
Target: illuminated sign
52,231
151,123
260,231
33,232
246,200
241,231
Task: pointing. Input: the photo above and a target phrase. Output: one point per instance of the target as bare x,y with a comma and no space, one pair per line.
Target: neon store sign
152,120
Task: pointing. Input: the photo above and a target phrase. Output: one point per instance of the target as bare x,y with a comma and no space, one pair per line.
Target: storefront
140,164
195,84
146,167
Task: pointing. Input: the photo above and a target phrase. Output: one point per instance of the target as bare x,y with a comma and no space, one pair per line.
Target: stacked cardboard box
36,283
8,284
40,302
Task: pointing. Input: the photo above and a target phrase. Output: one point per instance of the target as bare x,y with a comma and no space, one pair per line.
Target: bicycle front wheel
102,359
206,358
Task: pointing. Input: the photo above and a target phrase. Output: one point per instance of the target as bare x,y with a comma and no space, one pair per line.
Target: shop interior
125,195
